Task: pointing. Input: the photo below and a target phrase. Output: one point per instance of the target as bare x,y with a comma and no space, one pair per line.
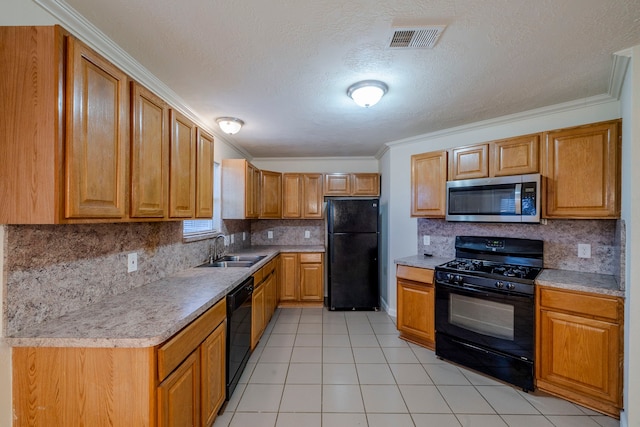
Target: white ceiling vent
416,38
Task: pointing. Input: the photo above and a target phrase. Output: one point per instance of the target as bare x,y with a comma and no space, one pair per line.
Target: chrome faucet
214,254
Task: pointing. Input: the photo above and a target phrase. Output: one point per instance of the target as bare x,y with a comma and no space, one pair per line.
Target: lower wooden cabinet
416,299
179,395
579,348
301,278
257,315
263,300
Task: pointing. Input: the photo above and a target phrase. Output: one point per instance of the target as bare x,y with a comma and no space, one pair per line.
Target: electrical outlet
232,239
584,250
426,240
307,234
132,262
244,236
269,234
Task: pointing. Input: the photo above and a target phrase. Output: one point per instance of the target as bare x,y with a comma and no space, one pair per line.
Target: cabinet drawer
269,267
174,351
314,257
258,277
415,274
582,303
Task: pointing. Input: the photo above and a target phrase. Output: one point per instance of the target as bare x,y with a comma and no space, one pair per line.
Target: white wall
24,12
319,164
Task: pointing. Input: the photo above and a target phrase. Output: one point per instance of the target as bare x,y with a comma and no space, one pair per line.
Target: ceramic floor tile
339,373
235,398
306,355
304,373
276,355
342,398
359,328
285,328
369,340
288,318
337,355
269,373
399,355
386,420
316,311
244,419
477,378
344,420
246,374
368,355
435,420
526,421
374,374
383,399
572,421
281,340
480,420
310,328
310,340
506,400
333,317
445,374
425,355
301,398
261,398
336,341
384,328
334,329
549,405
425,399
223,420
311,318
379,317
605,421
391,340
588,411
410,374
465,400
298,420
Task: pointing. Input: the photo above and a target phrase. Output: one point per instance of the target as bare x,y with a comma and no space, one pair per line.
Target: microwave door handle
518,197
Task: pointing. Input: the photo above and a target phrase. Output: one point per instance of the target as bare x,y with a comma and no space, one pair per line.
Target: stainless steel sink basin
235,261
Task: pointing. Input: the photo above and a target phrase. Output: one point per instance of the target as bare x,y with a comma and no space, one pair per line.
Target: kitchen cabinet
301,278
302,195
469,162
581,170
69,133
270,194
263,300
149,154
351,184
515,156
240,189
579,347
416,299
181,382
428,184
182,167
257,315
204,175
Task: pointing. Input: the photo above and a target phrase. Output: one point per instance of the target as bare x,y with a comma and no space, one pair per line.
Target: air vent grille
416,38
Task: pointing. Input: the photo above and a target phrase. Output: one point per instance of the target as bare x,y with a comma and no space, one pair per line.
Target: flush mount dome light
367,93
229,125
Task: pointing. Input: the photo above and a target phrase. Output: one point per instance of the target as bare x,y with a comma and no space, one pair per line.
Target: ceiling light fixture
230,125
367,93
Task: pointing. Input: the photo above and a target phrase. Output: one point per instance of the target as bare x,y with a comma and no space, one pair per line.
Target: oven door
495,320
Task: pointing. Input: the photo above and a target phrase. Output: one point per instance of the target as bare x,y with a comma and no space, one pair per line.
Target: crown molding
82,28
315,159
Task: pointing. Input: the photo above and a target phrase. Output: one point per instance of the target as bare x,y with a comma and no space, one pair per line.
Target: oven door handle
465,287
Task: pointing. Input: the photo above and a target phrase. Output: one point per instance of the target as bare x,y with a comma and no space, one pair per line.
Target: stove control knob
457,278
511,286
499,285
449,276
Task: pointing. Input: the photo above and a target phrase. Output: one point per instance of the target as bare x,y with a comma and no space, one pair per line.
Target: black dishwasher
238,332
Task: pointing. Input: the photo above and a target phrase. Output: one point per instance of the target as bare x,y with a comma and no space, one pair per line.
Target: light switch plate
584,250
269,234
307,234
426,240
132,262
232,238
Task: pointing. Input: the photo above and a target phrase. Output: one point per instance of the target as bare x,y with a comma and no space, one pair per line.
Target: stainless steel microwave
502,199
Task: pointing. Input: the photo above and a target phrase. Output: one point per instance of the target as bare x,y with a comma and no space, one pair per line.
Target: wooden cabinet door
204,175
270,194
469,162
312,195
213,374
149,154
337,184
311,277
582,172
96,135
269,297
179,395
257,315
416,310
182,169
365,184
288,277
515,156
291,195
429,184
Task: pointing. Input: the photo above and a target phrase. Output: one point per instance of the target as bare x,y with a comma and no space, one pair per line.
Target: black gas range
485,306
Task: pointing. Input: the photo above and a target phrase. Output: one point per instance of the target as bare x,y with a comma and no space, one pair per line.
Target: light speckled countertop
148,315
564,279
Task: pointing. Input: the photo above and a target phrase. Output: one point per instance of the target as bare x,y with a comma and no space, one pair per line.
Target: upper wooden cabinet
582,171
204,175
352,184
428,184
515,156
270,194
149,154
240,189
302,195
469,162
182,167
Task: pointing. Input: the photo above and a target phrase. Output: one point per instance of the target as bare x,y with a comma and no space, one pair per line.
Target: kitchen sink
235,261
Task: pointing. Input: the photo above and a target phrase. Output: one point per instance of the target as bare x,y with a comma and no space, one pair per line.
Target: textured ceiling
283,66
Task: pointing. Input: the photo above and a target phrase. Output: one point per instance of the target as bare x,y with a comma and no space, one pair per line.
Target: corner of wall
5,351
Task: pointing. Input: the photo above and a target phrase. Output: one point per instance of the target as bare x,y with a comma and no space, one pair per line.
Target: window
192,229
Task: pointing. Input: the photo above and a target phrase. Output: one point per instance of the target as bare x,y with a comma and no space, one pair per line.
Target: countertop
150,314
603,284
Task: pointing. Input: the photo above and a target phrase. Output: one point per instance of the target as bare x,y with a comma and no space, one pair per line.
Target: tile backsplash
287,232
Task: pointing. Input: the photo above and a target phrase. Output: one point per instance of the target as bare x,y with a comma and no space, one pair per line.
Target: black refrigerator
353,235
